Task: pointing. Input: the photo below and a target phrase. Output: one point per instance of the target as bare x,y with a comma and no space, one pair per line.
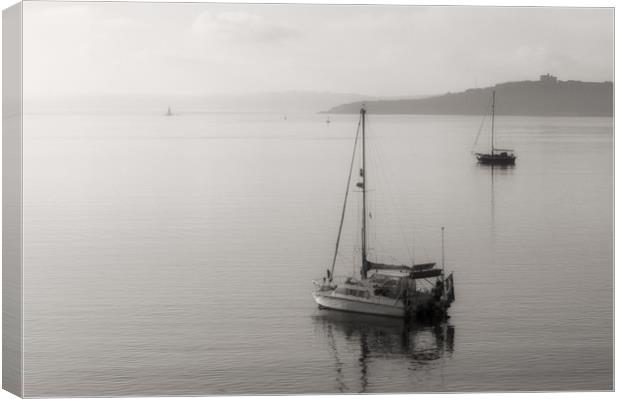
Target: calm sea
175,255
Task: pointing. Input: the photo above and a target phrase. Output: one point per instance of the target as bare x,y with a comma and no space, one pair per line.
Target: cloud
241,27
393,51
119,22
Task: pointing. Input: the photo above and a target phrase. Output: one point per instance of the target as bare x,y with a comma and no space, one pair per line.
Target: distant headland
547,96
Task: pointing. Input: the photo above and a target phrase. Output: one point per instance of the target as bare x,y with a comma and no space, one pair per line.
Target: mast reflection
496,170
366,347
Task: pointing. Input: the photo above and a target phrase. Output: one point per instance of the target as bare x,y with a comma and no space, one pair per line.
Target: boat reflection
497,170
500,169
364,347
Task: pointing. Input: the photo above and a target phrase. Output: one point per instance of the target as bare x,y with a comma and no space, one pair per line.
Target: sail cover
383,266
415,268
426,273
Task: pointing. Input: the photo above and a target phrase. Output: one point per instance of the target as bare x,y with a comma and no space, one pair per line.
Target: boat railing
344,280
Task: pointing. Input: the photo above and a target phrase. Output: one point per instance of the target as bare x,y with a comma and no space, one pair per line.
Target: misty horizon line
361,96
226,94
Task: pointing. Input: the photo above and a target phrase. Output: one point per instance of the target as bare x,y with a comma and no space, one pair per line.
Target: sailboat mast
363,173
493,125
443,253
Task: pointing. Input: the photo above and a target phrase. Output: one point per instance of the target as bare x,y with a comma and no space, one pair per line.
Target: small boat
328,121
169,113
419,291
497,156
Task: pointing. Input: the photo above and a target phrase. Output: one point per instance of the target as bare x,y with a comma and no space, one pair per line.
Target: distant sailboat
169,113
328,121
497,156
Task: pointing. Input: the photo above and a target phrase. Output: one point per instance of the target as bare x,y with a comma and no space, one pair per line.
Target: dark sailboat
497,156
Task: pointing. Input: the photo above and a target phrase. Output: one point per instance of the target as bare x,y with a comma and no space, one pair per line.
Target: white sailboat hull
374,306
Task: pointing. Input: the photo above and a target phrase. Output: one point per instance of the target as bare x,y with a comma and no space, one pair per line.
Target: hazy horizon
192,49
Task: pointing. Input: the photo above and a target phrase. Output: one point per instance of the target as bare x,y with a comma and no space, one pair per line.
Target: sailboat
497,156
169,113
327,120
417,291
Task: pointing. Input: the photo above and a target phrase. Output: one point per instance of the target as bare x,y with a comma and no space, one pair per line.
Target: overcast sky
196,49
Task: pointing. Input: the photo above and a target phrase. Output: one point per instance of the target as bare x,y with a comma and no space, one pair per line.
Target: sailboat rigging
382,289
497,156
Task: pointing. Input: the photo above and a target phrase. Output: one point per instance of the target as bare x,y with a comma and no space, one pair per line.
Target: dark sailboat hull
496,159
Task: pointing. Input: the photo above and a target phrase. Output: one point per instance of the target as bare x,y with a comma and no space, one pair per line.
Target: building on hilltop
548,78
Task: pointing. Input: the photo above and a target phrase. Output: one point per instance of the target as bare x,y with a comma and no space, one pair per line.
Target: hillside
545,97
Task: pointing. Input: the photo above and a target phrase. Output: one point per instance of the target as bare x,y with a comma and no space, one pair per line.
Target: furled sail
426,273
417,267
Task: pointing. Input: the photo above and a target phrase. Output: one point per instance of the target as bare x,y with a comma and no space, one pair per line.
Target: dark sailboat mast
493,125
364,269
